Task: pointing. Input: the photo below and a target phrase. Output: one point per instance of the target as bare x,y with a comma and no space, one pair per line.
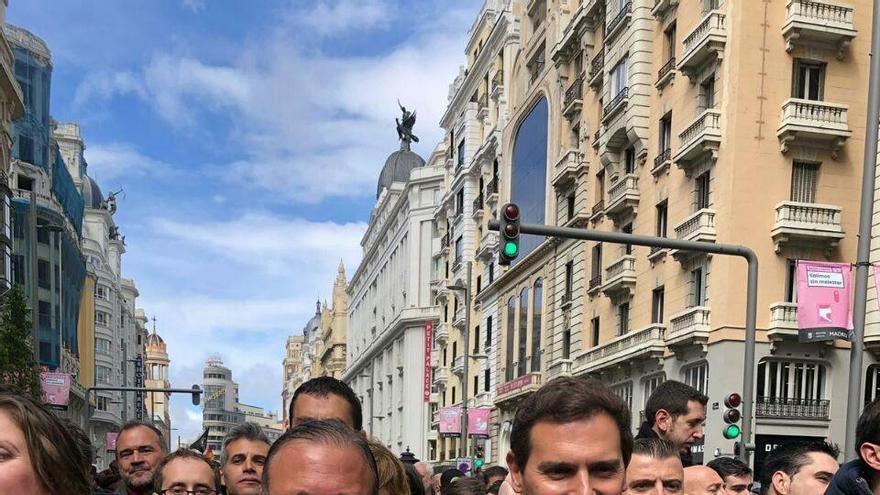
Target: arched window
537,313
511,320
529,171
522,365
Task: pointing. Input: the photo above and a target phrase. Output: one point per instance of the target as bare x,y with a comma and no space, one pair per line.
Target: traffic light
196,395
732,415
478,459
509,228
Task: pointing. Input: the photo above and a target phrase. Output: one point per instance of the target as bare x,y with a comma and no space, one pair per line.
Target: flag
201,443
824,301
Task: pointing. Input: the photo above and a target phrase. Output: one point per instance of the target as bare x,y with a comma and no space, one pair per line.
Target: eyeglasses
184,491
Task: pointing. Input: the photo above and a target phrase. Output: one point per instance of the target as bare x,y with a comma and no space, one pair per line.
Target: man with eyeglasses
735,473
139,449
185,472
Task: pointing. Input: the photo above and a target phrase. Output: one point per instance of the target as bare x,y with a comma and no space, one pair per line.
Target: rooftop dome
398,167
92,194
155,339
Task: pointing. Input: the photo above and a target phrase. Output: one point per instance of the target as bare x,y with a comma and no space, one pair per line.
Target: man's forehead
245,445
138,436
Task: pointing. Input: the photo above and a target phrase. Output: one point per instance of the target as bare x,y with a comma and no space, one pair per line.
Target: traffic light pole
703,247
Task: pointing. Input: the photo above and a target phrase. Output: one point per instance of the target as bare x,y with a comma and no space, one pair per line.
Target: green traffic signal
478,463
511,249
732,431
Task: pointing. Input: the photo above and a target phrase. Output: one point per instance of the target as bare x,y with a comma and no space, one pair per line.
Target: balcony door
808,80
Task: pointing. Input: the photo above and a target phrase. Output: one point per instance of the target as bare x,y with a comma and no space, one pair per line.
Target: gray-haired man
244,453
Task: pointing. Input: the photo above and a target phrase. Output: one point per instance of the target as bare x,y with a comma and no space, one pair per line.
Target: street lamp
466,288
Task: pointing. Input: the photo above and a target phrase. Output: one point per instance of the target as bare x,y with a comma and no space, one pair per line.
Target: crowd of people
572,436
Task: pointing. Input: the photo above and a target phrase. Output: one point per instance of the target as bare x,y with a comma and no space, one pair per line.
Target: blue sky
248,137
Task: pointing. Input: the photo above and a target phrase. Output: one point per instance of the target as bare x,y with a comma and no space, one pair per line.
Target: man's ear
516,473
663,420
781,483
870,454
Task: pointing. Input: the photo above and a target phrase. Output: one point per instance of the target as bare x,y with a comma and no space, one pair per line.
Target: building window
596,268
476,384
486,380
528,181
697,376
569,205
790,380
651,384
594,330
791,281
627,248
617,76
702,186
488,332
459,202
669,41
511,321
600,186
623,319
537,315
803,182
460,162
569,280
662,224
102,346
698,286
707,92
42,236
459,249
103,374
625,392
665,133
658,300
566,344
45,314
102,403
808,80
872,383
629,160
523,331
43,277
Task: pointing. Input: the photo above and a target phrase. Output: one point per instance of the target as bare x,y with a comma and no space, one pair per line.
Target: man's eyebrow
555,466
607,464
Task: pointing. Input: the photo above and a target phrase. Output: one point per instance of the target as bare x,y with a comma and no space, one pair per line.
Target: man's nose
582,484
657,489
699,432
250,466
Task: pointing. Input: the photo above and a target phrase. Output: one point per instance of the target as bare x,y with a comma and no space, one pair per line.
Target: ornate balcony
441,377
783,321
574,97
645,343
704,44
435,358
458,366
794,409
700,226
598,211
441,334
518,388
595,285
666,74
824,24
662,6
689,327
619,21
497,85
458,319
488,246
700,138
807,224
623,197
616,104
569,41
596,137
815,123
662,162
597,69
492,191
620,277
568,168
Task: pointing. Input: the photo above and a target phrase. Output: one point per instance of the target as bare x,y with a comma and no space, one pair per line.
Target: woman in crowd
392,477
39,455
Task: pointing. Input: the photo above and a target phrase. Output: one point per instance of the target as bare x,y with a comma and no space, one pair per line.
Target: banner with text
429,337
56,389
824,301
478,422
450,421
110,441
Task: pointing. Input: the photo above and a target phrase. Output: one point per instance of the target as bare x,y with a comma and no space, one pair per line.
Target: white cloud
195,6
112,161
343,16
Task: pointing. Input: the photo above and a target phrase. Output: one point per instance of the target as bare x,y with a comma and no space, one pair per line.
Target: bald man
702,480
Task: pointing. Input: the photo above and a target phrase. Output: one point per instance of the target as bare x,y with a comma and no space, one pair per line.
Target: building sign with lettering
824,301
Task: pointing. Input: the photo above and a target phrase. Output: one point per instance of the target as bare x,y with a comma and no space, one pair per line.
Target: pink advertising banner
478,422
824,293
56,389
450,420
110,440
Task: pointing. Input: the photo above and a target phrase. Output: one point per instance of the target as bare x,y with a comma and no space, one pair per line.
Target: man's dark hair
448,476
247,431
565,400
327,432
868,427
323,386
672,397
413,480
729,466
464,486
141,424
655,448
494,471
158,476
494,488
790,457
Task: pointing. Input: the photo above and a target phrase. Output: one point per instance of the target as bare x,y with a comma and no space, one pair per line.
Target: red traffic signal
733,400
510,212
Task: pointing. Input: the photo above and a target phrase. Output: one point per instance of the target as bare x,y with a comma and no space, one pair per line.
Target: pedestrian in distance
735,474
326,397
39,454
392,476
675,412
799,468
244,454
862,476
139,449
466,486
702,480
320,457
654,469
414,480
185,472
494,473
570,436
